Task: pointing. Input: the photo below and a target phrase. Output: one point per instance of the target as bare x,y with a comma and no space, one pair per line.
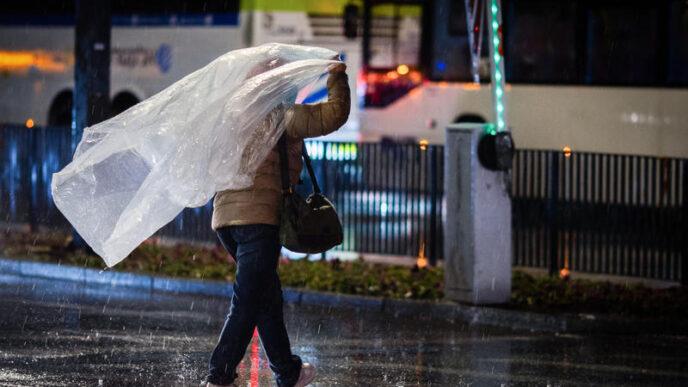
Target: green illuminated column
494,12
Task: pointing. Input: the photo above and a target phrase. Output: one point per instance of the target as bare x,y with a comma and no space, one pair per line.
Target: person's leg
252,248
224,235
271,328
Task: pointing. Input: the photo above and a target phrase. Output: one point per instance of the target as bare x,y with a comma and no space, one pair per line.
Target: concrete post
477,226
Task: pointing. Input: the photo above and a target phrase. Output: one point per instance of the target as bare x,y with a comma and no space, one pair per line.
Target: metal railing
598,213
388,196
601,213
28,158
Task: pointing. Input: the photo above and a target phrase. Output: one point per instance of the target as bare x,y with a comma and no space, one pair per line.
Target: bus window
622,44
678,44
395,35
60,113
392,68
457,19
60,8
451,60
533,56
122,102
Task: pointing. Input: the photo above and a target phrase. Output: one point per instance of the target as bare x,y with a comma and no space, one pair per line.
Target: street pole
91,72
477,185
494,27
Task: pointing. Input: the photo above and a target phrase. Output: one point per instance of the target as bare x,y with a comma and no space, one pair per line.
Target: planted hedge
547,294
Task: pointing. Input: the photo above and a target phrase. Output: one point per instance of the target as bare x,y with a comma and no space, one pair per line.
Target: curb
467,314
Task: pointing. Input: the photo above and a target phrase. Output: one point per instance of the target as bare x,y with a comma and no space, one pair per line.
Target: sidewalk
445,310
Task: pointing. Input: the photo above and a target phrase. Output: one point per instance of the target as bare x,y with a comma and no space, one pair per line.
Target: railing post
432,238
551,210
327,184
92,34
684,206
31,181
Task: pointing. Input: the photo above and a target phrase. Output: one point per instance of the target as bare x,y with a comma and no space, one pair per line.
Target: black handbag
308,225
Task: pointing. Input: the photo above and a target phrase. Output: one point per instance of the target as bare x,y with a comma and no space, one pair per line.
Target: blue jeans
257,301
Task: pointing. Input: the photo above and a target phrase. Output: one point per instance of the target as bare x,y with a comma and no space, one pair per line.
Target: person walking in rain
247,224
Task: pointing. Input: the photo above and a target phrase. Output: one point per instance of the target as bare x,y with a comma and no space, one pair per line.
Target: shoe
306,376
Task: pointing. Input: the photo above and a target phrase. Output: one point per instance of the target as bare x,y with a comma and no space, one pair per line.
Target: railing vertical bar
599,239
660,199
523,257
401,204
532,238
349,188
417,235
362,156
391,197
528,164
432,251
402,240
440,187
570,224
346,181
537,196
675,242
605,248
383,178
652,207
584,184
618,176
552,210
637,182
600,230
361,188
376,219
596,260
671,210
660,221
684,222
399,208
426,191
523,237
373,213
665,255
408,233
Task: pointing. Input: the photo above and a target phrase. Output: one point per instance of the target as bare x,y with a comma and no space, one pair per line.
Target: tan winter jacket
260,203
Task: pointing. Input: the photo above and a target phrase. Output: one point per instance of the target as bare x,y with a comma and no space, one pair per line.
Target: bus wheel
60,113
469,118
122,102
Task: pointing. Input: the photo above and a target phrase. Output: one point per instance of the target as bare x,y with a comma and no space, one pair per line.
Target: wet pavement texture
63,333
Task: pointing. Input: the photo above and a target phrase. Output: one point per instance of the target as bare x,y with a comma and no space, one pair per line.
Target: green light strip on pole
497,67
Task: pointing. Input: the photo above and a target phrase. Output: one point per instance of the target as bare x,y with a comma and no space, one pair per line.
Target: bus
153,44
602,76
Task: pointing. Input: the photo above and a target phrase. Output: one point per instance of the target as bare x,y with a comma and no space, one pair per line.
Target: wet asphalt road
61,333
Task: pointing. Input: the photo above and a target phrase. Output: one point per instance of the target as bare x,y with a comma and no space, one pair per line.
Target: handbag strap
309,167
284,166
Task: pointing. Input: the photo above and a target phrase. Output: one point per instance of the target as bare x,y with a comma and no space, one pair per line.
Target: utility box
477,224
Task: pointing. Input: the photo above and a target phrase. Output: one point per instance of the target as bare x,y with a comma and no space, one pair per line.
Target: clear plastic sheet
135,172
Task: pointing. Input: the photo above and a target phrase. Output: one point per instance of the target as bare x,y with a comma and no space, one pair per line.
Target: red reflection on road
255,359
